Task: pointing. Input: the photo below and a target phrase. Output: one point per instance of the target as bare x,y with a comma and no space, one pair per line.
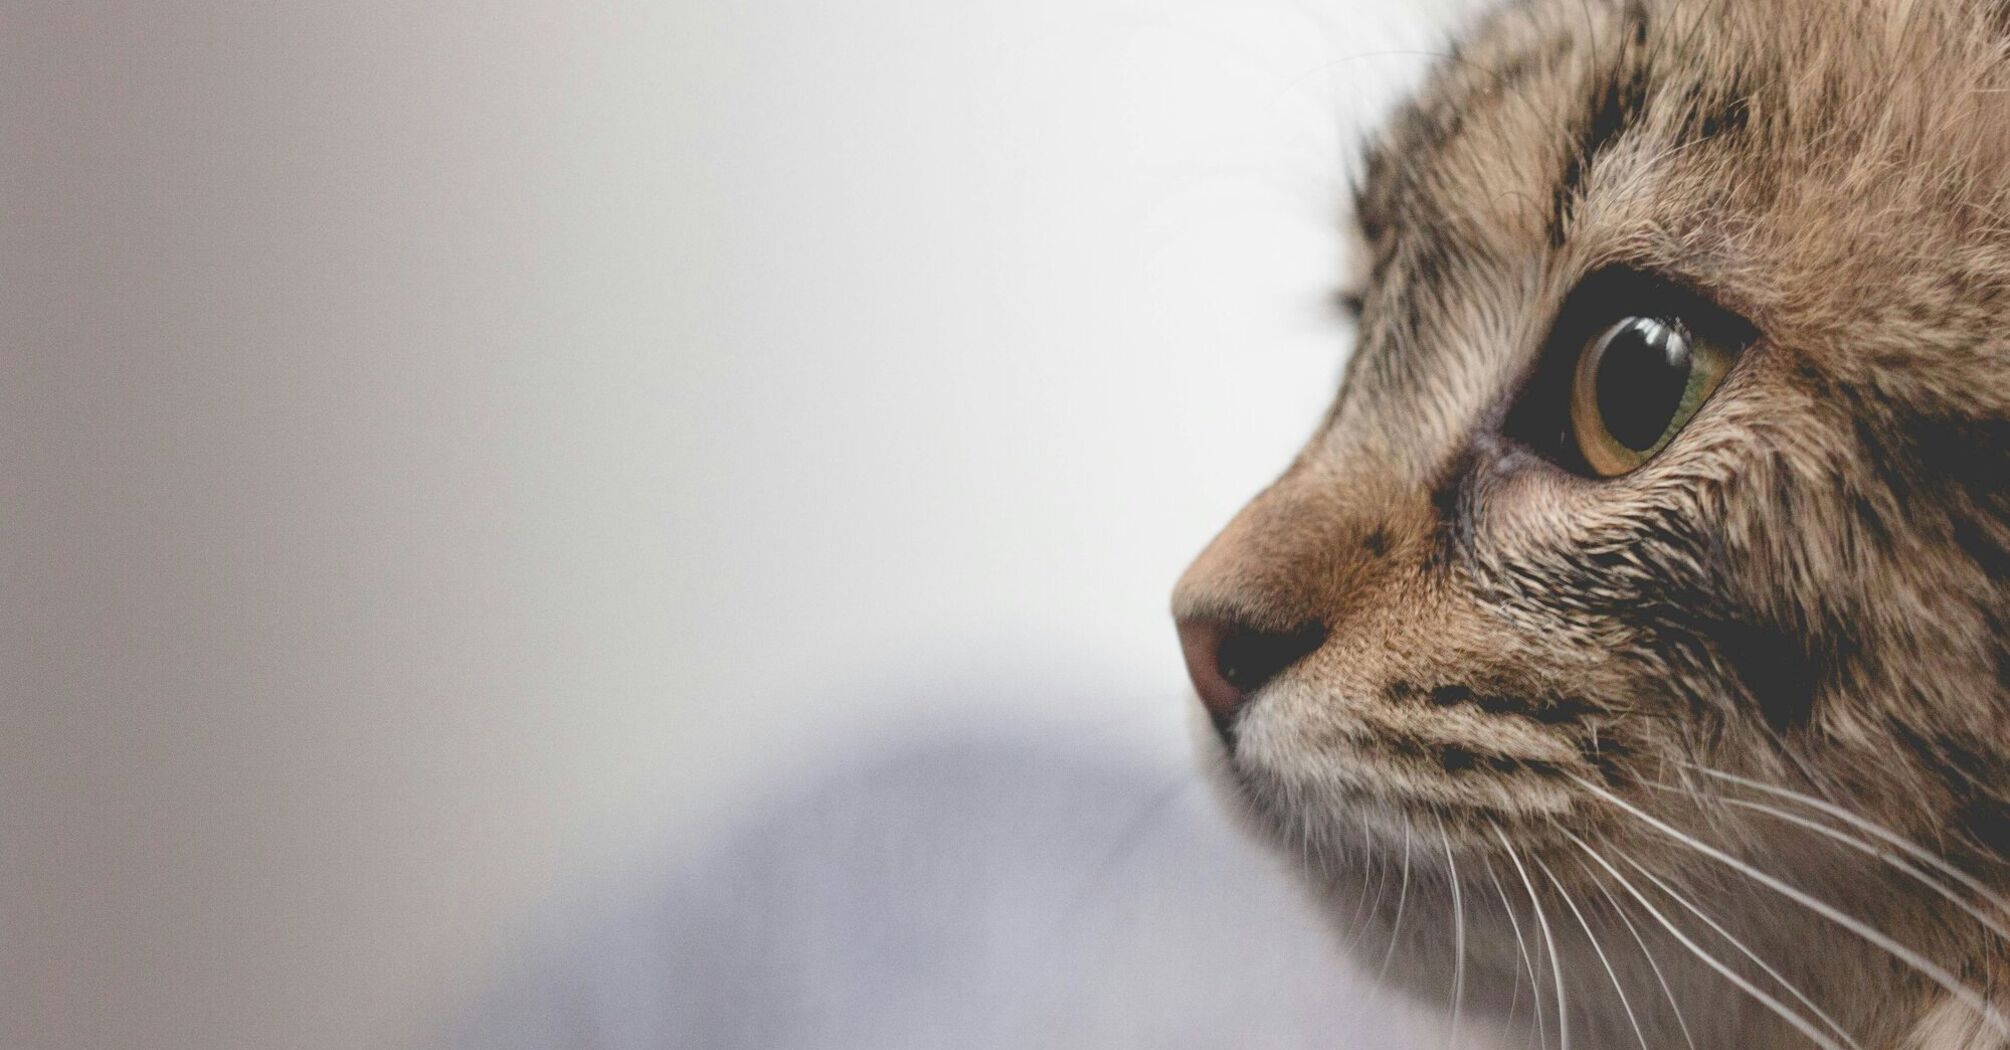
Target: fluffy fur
1563,730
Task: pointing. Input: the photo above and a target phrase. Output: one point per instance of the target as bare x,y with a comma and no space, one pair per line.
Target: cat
1623,662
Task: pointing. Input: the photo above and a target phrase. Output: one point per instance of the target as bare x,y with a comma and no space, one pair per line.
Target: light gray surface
955,892
450,450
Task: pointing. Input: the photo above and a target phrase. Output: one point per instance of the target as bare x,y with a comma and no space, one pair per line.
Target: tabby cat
1624,659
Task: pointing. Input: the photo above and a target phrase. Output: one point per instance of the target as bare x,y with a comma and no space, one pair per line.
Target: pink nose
1229,661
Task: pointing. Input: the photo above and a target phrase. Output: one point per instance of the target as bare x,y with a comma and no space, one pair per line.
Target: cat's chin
1348,824
1310,796
1418,905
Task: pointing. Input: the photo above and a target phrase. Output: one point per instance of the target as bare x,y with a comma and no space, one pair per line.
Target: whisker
1521,946
1787,1014
1549,941
1304,839
1748,953
1994,925
1372,863
1867,826
1927,967
1596,950
1402,896
1382,866
1666,992
1458,936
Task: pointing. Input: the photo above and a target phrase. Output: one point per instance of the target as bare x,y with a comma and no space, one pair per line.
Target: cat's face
1675,448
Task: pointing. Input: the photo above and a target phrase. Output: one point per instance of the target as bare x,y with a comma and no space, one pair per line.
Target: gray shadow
956,891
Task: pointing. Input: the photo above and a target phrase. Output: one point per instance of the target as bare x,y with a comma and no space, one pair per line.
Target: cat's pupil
1642,372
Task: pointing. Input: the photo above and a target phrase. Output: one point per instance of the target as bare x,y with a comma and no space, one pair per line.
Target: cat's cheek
1526,503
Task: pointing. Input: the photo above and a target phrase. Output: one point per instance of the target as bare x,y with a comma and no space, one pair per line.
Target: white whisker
1748,953
1596,950
1382,865
1666,992
1993,924
1927,967
1458,937
1549,940
1371,864
1521,946
1786,1013
1868,827
1402,896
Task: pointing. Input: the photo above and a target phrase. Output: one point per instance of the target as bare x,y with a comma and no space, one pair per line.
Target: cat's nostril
1229,661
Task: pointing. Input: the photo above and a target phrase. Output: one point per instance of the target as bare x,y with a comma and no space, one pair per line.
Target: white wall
447,448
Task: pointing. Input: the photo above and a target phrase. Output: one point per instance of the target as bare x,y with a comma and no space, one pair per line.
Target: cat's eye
1636,383
1629,360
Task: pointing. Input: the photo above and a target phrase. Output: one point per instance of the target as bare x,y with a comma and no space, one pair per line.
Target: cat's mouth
1475,767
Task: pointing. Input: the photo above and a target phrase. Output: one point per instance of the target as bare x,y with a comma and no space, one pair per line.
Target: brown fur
1810,587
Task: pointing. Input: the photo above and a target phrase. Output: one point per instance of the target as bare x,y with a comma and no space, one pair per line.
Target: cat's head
1672,466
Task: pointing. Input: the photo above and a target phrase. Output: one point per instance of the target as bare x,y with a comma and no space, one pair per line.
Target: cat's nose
1228,661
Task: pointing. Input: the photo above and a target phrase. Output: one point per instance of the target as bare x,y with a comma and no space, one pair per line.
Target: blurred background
650,524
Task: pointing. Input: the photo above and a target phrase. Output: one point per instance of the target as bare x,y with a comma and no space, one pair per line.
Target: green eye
1636,384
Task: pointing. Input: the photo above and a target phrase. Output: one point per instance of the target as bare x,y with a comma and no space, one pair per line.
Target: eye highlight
1629,360
1636,383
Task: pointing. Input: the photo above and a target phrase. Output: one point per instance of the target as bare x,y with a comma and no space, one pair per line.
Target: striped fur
1808,589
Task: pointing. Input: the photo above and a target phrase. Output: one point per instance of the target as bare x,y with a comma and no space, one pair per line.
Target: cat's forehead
1601,128
1789,157
1552,141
